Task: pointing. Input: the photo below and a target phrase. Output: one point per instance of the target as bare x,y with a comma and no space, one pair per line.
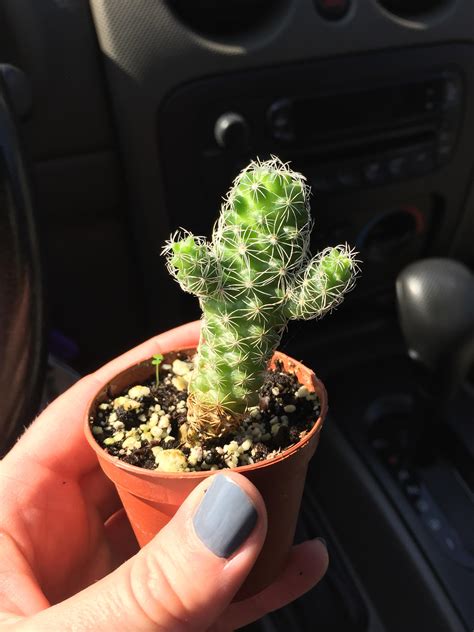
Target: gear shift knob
436,311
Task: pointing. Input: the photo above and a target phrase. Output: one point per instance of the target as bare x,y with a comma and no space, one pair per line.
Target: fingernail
225,518
323,541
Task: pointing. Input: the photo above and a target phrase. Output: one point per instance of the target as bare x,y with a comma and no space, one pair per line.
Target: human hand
68,557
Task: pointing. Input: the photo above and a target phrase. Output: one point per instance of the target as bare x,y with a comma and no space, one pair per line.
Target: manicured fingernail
323,541
225,518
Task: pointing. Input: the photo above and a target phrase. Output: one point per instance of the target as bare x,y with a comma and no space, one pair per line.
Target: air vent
225,18
414,8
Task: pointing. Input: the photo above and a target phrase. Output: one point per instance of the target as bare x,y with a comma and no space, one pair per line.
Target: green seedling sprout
156,361
254,276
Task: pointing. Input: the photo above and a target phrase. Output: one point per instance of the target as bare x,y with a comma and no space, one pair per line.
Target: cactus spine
253,278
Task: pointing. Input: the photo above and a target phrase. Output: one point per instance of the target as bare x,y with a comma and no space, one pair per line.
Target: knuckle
156,595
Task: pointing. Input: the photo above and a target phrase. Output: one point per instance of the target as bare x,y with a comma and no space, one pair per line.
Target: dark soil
141,426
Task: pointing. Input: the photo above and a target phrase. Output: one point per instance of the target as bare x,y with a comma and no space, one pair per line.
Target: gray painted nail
225,518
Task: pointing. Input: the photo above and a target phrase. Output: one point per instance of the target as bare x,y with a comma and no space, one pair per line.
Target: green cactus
251,280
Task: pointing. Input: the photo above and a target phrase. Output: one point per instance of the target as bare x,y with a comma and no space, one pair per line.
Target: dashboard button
280,120
422,505
445,145
413,490
348,177
446,136
452,91
403,475
374,172
332,9
422,162
434,524
379,443
398,167
450,543
444,152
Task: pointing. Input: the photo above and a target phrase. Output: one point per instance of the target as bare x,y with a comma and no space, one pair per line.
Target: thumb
185,577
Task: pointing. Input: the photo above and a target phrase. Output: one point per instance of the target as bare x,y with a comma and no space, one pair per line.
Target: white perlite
126,403
170,460
136,392
182,368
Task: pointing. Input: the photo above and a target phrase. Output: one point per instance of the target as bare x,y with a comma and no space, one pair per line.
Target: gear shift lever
436,310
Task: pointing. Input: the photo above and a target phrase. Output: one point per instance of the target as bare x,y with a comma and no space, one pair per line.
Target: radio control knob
231,131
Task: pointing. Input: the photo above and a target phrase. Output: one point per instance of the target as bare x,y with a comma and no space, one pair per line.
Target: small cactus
253,278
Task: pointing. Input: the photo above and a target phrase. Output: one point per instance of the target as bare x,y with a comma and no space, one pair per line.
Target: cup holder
225,21
416,9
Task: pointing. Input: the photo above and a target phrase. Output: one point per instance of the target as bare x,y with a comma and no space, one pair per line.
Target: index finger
55,440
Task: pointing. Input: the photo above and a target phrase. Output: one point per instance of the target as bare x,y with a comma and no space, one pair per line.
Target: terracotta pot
151,498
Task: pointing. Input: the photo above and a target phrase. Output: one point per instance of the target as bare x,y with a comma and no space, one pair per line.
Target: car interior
121,121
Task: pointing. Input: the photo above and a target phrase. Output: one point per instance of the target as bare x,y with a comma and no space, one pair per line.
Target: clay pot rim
319,388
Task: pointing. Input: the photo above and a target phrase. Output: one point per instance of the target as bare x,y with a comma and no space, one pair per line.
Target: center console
378,138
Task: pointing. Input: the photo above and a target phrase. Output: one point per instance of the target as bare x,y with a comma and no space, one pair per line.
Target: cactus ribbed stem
252,278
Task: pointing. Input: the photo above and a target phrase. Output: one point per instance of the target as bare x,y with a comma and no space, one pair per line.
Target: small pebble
129,442
171,461
136,392
164,422
179,383
246,445
126,403
302,392
181,368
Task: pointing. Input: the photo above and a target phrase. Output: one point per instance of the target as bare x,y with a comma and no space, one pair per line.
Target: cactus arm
191,262
321,286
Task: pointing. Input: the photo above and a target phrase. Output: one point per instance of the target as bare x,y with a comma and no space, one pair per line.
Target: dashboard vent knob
231,131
